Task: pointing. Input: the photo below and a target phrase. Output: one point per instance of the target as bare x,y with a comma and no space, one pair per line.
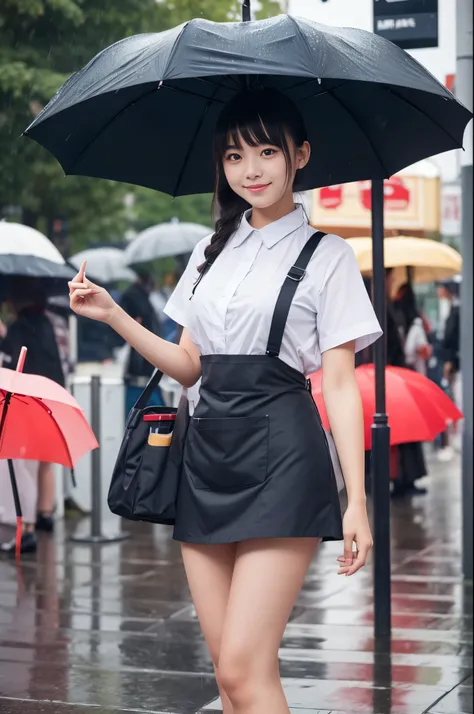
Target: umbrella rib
215,84
309,82
43,405
193,143
106,126
195,94
421,111
123,110
357,122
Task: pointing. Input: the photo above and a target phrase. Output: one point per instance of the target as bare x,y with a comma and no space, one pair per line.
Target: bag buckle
296,273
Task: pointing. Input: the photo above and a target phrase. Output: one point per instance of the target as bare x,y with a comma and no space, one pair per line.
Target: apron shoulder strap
287,292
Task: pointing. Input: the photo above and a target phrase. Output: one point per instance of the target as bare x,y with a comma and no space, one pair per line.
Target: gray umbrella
106,265
165,240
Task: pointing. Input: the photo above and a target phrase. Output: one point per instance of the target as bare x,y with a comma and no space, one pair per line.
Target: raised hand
88,299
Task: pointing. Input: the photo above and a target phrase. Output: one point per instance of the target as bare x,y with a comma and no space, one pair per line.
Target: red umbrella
39,421
418,410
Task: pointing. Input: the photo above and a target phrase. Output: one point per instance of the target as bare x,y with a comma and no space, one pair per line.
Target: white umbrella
105,264
25,252
165,240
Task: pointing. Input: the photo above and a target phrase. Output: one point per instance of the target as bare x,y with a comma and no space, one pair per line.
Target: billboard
410,24
412,204
451,209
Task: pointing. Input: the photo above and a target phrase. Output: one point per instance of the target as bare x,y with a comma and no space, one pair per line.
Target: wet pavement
110,629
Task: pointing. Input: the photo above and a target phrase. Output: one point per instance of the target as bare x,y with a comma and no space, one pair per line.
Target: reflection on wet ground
111,629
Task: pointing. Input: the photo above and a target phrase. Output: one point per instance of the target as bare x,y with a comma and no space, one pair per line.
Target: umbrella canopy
431,260
164,240
39,421
145,109
27,253
104,265
418,409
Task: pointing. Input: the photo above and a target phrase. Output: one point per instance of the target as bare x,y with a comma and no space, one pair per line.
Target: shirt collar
272,233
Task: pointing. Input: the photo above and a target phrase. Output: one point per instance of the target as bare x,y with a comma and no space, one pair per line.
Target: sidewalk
112,630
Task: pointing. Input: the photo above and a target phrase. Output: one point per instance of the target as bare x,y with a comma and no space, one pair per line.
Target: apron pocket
226,455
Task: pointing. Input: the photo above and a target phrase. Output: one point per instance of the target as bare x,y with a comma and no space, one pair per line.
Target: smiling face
262,173
260,144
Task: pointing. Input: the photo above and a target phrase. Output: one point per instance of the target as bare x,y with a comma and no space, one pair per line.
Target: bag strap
154,380
148,390
287,292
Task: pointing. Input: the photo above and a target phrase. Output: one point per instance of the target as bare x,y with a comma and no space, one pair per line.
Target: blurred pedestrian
408,461
265,301
393,329
448,292
32,328
159,298
136,303
417,349
60,325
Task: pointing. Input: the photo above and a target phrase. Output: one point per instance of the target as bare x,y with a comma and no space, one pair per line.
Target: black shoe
416,491
28,545
45,522
398,490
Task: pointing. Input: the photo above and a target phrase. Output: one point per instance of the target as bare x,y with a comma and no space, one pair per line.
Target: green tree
42,42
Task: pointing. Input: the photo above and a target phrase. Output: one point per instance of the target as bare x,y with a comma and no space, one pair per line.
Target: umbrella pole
246,14
380,462
18,511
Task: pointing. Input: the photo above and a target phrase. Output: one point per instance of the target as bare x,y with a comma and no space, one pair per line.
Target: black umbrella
144,111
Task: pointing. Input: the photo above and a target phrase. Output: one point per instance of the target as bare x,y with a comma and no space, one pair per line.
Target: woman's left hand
356,530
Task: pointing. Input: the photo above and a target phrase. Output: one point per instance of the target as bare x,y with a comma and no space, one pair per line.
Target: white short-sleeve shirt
232,308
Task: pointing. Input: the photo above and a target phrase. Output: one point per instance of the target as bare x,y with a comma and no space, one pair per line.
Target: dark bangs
259,117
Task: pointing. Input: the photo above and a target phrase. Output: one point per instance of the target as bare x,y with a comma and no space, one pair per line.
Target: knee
237,675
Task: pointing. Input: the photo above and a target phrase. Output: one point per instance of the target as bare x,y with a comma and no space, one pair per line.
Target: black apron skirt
256,460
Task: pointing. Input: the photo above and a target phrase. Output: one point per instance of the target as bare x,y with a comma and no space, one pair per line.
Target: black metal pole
380,431
464,92
96,470
246,14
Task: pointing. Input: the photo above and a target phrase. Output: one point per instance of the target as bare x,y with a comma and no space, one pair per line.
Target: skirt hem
216,540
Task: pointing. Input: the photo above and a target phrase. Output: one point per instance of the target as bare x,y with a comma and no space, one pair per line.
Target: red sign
396,194
331,196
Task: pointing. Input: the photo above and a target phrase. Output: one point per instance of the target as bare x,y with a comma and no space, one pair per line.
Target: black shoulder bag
146,475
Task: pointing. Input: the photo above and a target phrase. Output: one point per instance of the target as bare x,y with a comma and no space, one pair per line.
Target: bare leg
46,489
268,576
209,571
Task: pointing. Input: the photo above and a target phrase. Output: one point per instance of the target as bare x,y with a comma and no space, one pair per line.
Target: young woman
264,301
